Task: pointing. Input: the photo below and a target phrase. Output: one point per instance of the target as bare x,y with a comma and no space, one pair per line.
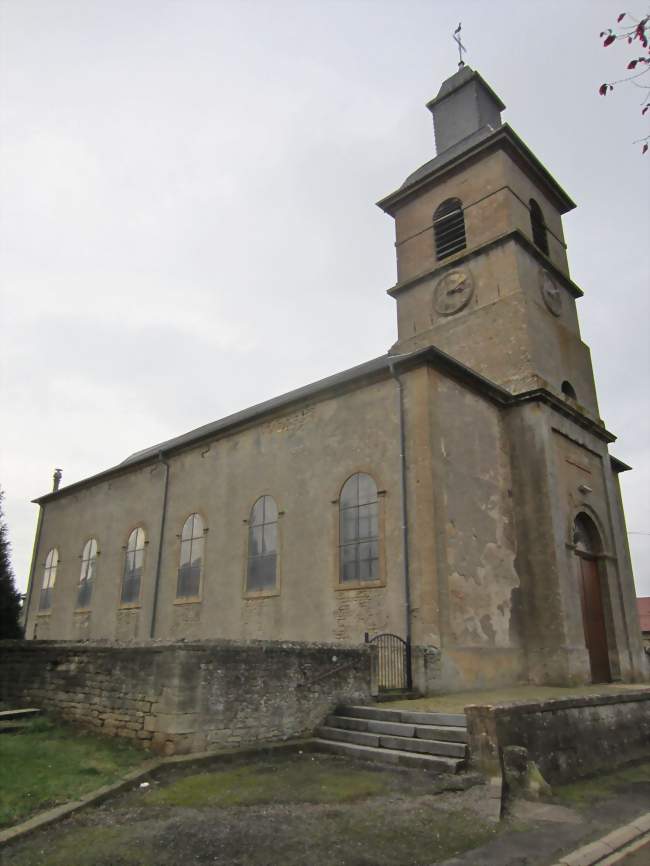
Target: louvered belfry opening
538,227
449,228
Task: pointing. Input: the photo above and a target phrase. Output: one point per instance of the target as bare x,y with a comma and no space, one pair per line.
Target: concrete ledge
604,851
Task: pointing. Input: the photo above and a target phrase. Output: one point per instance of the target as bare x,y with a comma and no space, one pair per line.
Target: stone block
178,724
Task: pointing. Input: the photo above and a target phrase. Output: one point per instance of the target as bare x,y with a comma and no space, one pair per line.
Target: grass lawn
46,764
580,795
456,703
285,781
293,810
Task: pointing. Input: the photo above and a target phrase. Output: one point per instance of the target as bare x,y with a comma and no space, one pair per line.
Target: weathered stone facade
491,389
176,698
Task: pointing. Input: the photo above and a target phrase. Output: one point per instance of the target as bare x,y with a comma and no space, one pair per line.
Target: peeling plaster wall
475,502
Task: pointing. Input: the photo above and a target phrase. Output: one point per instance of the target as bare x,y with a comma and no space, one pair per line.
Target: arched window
87,575
49,579
569,390
538,226
133,562
191,561
262,545
449,228
358,530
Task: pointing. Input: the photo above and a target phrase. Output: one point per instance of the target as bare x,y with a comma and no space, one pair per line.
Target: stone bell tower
482,270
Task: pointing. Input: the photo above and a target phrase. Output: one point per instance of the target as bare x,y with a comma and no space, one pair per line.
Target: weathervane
461,47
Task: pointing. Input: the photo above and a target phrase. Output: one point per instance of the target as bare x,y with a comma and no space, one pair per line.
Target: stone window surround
248,594
198,598
133,605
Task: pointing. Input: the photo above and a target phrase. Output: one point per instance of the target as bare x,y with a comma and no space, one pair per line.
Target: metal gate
393,661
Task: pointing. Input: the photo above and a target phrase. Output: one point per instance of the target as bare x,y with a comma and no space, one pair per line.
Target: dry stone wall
190,697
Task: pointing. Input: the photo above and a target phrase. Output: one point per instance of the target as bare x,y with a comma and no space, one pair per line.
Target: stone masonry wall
191,697
567,738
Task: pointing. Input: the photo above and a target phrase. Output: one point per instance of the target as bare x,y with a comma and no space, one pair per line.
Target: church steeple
464,105
482,270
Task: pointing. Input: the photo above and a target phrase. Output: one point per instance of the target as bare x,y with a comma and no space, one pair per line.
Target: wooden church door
594,621
593,612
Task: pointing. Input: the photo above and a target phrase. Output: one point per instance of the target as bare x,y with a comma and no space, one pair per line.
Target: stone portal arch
588,545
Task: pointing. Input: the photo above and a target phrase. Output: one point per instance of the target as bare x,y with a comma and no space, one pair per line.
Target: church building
456,492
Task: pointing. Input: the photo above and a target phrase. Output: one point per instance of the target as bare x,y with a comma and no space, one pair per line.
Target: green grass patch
298,781
582,794
47,764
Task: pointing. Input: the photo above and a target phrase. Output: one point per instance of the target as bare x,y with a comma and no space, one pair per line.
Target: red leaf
645,109
629,40
632,64
611,38
602,90
645,147
620,17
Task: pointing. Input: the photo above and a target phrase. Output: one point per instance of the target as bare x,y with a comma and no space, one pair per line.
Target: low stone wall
567,738
181,698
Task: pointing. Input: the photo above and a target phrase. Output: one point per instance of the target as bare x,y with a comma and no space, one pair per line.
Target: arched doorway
587,547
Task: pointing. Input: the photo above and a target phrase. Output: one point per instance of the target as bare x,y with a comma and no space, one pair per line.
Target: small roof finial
461,47
56,480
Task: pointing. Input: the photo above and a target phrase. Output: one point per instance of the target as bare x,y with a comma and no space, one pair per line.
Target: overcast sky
187,218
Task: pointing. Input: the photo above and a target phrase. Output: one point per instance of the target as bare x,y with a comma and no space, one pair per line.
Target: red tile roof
643,606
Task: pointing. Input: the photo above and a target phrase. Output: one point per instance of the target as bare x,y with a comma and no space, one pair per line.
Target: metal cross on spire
461,47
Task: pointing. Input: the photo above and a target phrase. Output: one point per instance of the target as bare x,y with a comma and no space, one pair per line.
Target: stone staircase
432,741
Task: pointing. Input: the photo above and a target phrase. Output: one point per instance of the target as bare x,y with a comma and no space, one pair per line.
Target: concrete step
9,715
436,763
423,732
405,744
381,714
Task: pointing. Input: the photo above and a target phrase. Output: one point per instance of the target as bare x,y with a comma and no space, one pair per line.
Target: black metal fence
393,661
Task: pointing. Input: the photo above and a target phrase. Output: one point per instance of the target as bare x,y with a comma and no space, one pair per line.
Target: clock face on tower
453,292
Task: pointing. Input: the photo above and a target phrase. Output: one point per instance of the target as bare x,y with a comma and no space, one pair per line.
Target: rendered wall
175,698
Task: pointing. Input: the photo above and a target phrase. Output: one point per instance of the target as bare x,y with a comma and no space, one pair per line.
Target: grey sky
186,209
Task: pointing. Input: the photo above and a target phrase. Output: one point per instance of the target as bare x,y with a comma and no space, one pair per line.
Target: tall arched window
449,228
359,530
262,545
191,561
133,562
87,575
538,226
49,579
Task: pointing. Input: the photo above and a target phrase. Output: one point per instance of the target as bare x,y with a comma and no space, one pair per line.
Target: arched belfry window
191,559
49,579
133,562
359,530
449,228
538,227
568,390
87,575
261,572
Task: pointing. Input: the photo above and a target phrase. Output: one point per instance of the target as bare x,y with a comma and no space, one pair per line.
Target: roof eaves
504,135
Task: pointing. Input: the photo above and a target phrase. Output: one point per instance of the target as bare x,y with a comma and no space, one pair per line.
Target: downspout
404,509
32,569
161,536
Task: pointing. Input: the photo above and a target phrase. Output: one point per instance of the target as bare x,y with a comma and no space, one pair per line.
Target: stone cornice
503,137
465,255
